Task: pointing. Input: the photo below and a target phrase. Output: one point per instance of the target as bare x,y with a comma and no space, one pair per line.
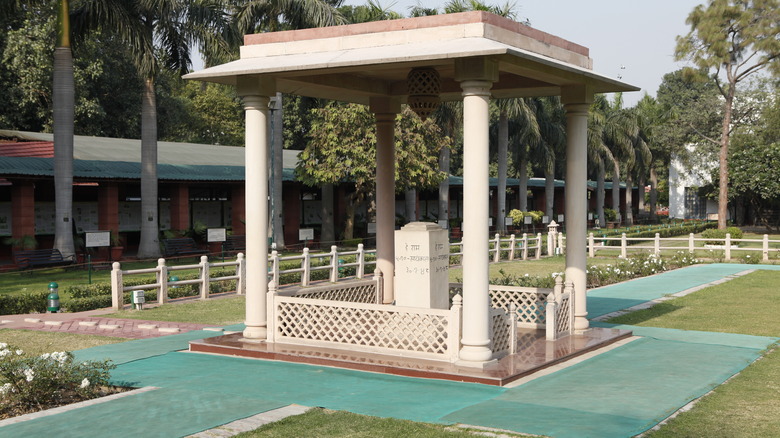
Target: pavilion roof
356,62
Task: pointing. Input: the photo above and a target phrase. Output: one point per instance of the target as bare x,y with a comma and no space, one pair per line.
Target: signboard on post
560,218
306,234
95,239
528,220
215,235
372,228
508,221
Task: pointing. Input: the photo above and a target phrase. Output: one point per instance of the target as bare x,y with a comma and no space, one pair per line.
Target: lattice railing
424,333
560,310
530,302
504,339
358,291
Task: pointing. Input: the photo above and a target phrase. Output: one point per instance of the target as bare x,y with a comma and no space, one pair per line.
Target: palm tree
449,117
63,103
550,117
160,36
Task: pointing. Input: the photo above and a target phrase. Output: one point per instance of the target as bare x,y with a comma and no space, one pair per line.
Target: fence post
513,328
512,243
454,327
525,246
117,294
765,248
270,309
539,246
205,277
241,273
334,264
306,262
591,246
623,245
379,284
561,246
275,265
497,255
162,280
691,244
728,246
361,260
657,244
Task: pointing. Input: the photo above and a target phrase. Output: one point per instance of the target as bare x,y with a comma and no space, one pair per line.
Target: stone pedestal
422,266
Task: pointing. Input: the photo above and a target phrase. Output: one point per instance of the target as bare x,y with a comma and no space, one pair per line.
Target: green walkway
616,394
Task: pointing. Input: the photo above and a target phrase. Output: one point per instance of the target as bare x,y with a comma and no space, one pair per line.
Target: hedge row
33,302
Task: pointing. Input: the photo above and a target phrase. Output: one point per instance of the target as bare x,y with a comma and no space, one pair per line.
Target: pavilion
473,56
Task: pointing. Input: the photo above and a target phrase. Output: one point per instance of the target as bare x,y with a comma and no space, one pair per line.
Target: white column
256,108
385,111
576,102
476,120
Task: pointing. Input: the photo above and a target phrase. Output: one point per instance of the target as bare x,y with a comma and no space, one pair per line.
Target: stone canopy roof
356,62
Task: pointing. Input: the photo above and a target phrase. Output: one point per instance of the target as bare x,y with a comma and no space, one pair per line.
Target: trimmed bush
718,237
34,302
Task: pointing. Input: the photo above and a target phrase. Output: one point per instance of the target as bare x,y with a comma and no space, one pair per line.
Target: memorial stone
422,266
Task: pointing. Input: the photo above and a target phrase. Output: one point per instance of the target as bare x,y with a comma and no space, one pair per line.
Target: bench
235,243
181,246
31,258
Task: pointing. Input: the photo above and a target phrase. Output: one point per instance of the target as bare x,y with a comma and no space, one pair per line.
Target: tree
343,148
63,134
735,39
160,36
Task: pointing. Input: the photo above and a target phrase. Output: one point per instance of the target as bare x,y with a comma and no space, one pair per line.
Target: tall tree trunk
600,195
63,99
410,200
278,169
653,194
549,193
503,146
523,188
616,189
328,234
723,192
640,203
444,186
629,199
149,246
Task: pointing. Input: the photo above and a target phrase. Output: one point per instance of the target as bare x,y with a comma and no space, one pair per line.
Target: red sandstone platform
535,354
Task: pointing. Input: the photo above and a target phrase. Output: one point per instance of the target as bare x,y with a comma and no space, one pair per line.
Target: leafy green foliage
717,237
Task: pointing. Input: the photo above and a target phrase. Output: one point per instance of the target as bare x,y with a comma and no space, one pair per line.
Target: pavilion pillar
476,76
255,93
238,209
576,100
108,207
385,111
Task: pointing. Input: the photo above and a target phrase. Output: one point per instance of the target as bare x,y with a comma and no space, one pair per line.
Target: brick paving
98,325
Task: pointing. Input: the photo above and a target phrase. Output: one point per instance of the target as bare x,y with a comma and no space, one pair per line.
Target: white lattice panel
563,316
367,327
530,303
365,293
502,332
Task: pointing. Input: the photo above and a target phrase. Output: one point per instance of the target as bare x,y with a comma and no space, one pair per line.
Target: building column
180,207
385,111
291,201
108,207
255,93
476,77
238,209
576,100
22,209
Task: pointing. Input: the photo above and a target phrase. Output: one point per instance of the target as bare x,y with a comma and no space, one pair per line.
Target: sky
636,34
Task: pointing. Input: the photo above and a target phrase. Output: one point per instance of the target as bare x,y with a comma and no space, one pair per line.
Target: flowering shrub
638,265
30,384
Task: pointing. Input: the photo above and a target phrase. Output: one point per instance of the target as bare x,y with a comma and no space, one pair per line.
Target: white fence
657,244
162,282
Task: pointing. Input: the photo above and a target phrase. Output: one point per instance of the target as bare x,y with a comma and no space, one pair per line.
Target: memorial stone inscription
422,266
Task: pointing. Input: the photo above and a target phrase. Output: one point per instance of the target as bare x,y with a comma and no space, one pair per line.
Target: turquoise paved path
616,394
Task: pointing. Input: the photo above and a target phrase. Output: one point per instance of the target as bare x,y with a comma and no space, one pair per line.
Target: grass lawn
35,343
326,423
746,406
217,311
